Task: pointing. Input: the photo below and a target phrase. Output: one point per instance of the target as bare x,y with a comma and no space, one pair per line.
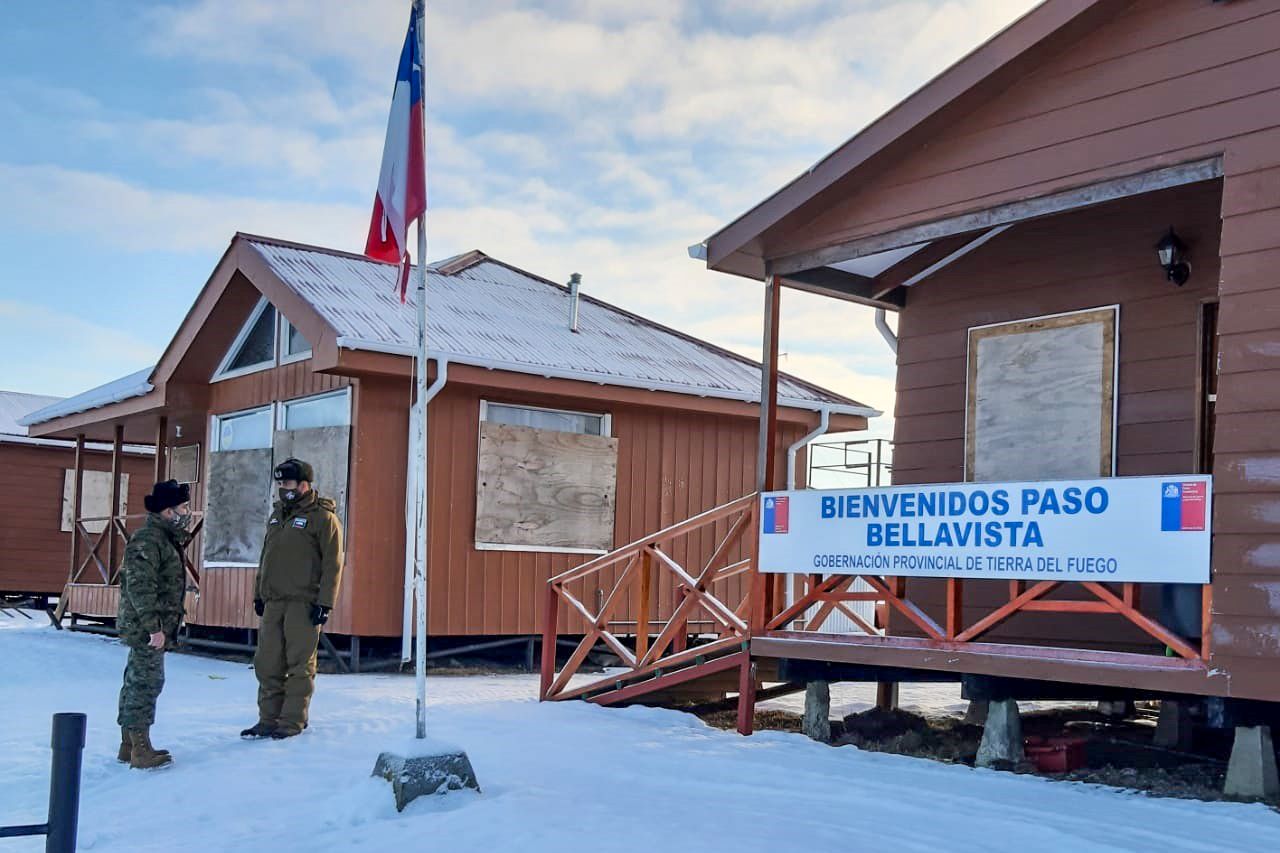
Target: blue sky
596,136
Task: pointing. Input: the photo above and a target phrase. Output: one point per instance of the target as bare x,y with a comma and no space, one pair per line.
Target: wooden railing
108,571
831,592
697,593
674,653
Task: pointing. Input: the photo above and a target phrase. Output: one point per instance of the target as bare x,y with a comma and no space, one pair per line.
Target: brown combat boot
126,747
143,756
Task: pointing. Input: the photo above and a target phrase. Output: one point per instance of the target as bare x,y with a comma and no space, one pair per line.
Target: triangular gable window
255,347
293,345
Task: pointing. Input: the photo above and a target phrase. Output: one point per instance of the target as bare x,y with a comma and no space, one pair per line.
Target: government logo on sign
1182,506
777,513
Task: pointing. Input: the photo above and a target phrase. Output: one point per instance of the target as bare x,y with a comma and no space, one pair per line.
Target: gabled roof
994,64
482,312
487,313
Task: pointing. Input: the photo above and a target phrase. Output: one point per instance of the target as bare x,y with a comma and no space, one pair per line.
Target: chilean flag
402,184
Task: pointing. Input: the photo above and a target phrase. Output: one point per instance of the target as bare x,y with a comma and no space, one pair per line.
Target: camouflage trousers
143,681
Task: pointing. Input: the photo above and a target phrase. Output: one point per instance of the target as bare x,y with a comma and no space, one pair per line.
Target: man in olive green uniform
297,584
152,584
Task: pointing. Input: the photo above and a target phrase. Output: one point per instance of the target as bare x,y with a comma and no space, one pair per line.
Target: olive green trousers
285,663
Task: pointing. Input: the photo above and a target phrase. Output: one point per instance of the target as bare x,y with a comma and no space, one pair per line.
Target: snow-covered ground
564,777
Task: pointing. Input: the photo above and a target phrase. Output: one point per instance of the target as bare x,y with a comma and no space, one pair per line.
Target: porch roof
136,384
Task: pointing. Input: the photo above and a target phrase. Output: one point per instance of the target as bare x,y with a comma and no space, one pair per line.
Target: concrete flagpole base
431,772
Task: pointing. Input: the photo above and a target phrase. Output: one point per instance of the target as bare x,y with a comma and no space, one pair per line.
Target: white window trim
223,373
215,422
281,405
282,341
606,419
537,549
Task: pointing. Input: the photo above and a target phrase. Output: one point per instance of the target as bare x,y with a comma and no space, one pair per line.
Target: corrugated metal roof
493,315
124,388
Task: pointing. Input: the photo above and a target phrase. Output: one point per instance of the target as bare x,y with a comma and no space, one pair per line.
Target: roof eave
408,350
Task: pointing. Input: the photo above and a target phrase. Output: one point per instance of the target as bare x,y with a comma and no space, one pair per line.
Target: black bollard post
64,782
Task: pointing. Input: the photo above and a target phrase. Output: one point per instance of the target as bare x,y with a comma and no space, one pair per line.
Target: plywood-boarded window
95,499
246,448
546,489
1041,398
184,463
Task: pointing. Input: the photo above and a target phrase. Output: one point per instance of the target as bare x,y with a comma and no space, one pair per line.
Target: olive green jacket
301,553
152,582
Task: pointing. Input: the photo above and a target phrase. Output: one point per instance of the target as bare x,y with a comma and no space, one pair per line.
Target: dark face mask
180,521
290,496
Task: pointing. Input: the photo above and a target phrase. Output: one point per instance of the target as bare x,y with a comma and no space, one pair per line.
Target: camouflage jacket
301,553
152,582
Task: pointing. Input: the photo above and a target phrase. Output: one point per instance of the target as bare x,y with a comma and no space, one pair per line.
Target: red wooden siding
1081,260
1246,548
35,555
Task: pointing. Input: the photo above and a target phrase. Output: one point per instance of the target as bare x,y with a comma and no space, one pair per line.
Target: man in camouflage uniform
152,584
296,587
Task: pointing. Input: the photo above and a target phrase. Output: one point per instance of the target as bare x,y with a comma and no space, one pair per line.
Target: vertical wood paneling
1065,263
35,554
1247,452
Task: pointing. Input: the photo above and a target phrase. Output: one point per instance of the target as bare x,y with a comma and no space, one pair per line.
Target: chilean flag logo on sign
777,514
1182,506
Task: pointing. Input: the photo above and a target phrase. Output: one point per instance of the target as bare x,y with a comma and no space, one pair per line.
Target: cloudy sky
596,136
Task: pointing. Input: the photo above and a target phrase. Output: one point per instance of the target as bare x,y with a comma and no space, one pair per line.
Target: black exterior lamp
1173,257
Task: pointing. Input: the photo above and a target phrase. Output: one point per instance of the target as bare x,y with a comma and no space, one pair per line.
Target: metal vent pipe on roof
575,283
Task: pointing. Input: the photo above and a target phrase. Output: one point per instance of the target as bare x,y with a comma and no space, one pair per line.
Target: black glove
319,614
258,606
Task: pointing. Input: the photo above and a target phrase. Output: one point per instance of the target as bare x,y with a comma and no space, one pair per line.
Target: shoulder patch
300,521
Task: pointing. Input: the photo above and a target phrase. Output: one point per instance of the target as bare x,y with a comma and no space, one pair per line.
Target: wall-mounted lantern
1173,257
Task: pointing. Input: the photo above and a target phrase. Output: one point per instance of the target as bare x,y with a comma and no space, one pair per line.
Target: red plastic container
1056,754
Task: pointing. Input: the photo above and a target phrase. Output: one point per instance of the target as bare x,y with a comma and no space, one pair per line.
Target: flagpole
420,567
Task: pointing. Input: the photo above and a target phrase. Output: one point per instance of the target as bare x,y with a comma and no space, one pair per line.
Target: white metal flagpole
420,563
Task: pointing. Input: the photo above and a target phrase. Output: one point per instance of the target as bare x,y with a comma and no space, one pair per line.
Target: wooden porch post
762,586
766,455
77,488
117,448
162,448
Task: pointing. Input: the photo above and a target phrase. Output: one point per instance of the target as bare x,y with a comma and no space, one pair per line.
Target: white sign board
1140,529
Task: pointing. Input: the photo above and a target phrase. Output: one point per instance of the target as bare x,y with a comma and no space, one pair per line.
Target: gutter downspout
882,325
410,506
824,422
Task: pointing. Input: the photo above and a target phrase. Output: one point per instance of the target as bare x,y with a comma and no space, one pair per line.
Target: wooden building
1025,191
37,485
559,426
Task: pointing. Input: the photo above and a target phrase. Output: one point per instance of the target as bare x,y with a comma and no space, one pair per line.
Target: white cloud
597,136
88,354
128,216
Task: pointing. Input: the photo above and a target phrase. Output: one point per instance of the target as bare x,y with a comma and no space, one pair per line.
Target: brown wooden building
559,426
1024,191
37,484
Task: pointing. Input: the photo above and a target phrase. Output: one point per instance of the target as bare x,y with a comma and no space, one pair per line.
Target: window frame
606,419
215,425
282,405
606,431
282,341
224,371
